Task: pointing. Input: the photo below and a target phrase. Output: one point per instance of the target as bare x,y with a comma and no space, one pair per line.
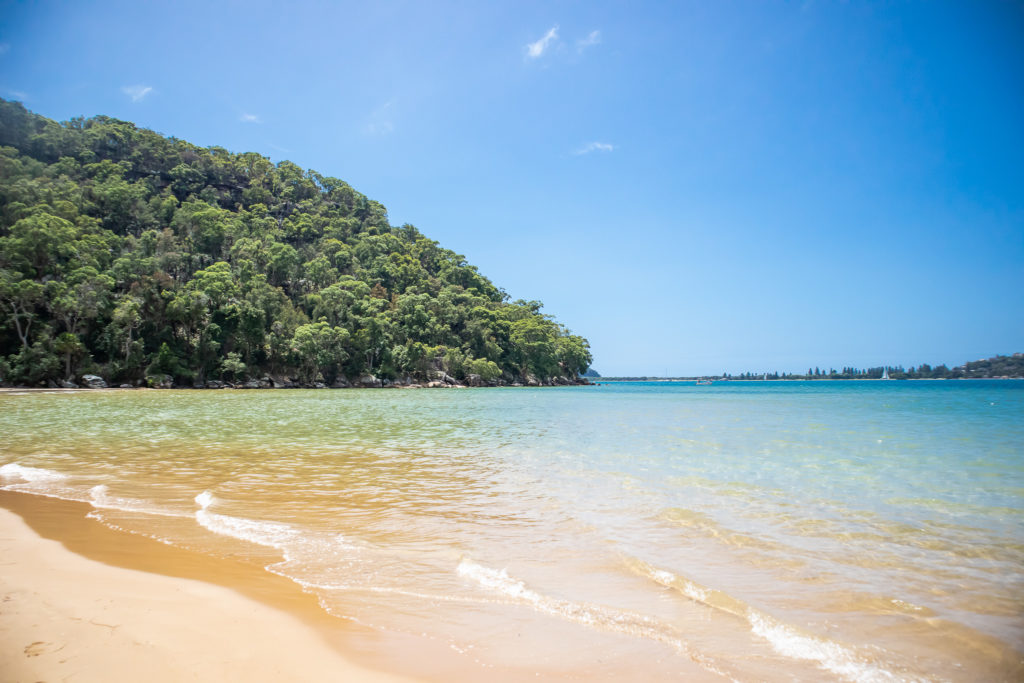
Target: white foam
496,580
636,625
38,481
268,534
829,655
100,498
99,517
204,499
784,639
30,474
688,588
381,590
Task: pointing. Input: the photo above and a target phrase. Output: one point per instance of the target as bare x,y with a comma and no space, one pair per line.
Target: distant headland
997,367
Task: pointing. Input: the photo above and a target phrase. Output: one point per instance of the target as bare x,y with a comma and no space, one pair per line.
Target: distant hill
998,366
995,367
142,258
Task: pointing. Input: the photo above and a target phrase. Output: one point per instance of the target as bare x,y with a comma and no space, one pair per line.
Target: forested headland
146,260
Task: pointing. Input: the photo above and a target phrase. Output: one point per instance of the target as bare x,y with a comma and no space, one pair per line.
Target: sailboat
885,373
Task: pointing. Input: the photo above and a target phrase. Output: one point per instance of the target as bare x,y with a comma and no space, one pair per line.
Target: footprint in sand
39,648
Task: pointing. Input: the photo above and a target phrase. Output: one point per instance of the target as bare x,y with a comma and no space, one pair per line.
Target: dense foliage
133,256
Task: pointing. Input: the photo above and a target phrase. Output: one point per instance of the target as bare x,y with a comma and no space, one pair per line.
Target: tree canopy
135,256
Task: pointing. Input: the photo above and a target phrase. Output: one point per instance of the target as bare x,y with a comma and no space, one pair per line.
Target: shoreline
595,381
804,379
242,387
81,599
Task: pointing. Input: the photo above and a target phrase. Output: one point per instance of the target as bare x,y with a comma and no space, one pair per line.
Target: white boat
885,373
702,382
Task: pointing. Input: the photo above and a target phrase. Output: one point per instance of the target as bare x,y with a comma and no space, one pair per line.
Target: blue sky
695,187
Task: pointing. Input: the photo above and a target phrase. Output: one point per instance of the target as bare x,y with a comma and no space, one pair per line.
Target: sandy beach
64,616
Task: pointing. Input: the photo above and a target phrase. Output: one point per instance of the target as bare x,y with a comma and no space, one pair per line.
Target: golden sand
65,616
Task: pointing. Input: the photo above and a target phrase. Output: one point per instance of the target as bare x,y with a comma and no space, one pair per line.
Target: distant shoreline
598,380
997,367
594,381
238,387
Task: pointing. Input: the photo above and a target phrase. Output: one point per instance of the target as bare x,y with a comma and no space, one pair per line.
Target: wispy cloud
18,95
380,120
5,48
249,118
594,147
136,92
535,50
593,39
379,128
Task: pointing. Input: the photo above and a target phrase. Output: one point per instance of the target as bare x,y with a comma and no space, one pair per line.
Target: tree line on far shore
995,367
146,259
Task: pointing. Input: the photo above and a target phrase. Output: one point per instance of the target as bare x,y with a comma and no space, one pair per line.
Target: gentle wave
785,639
594,616
99,517
52,484
268,534
302,550
39,481
30,474
321,586
100,498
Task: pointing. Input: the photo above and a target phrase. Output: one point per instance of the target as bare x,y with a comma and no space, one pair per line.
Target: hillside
146,259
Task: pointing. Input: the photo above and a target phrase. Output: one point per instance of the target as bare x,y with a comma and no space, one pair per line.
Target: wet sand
130,608
82,601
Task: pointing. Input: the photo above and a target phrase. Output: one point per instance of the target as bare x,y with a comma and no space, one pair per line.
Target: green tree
319,349
82,297
574,354
232,366
20,297
534,346
72,348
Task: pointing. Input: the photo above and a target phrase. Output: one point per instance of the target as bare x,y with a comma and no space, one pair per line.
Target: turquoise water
747,530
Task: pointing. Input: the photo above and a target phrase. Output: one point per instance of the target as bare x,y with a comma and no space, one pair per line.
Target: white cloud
379,122
535,50
18,95
5,48
594,147
379,128
593,39
249,118
136,92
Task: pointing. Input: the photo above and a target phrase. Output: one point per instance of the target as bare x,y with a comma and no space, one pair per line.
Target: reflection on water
847,530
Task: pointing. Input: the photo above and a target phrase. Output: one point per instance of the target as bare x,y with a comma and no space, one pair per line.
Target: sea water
846,530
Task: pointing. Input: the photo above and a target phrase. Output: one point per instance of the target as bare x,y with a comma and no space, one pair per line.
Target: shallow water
745,530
